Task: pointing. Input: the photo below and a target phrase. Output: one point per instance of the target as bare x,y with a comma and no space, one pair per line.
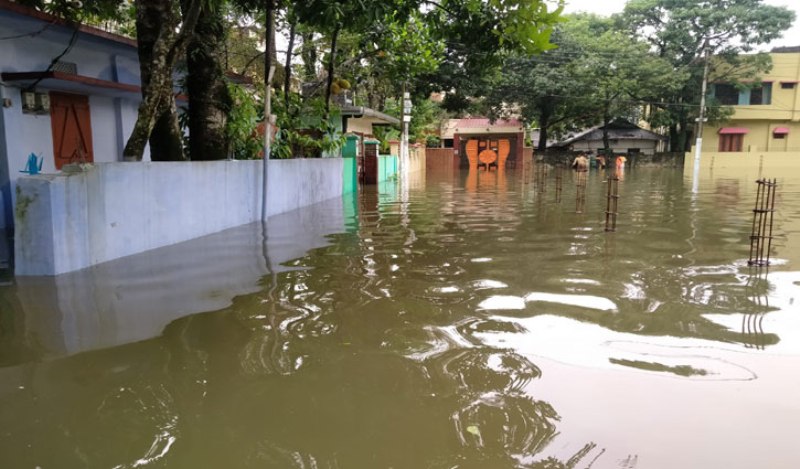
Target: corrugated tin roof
617,130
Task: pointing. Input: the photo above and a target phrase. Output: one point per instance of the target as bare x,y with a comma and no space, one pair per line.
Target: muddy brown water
467,321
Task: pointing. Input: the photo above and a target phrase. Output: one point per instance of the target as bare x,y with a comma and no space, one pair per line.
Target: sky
791,37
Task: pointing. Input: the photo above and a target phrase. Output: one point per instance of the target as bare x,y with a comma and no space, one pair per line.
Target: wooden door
72,129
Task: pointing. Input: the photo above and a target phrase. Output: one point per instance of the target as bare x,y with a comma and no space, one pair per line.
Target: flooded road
484,320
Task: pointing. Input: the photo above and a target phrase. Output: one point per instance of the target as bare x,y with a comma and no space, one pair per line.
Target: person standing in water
580,163
601,161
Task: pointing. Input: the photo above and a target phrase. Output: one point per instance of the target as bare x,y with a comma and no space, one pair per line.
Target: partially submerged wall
69,221
135,298
387,167
743,164
416,158
441,160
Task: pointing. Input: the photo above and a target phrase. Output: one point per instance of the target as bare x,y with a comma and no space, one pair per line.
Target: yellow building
766,118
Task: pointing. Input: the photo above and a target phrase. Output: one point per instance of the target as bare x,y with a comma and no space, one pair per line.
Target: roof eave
361,111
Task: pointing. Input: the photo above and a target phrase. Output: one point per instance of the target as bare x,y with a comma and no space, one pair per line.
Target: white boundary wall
69,221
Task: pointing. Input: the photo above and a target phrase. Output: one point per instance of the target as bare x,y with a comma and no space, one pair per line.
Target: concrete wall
6,217
66,222
302,182
441,160
416,158
349,175
133,299
387,167
416,155
750,166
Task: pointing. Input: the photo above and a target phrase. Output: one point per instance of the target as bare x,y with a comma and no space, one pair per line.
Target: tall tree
620,74
542,89
595,75
478,34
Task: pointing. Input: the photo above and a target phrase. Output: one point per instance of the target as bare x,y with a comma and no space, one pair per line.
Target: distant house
766,114
470,137
361,121
80,109
623,137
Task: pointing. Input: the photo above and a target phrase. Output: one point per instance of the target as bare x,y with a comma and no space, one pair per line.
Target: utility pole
269,69
267,140
700,121
404,158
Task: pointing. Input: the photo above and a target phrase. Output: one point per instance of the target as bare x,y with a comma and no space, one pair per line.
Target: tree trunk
606,119
156,24
166,139
287,74
673,137
684,137
331,64
309,53
544,123
160,45
146,120
209,99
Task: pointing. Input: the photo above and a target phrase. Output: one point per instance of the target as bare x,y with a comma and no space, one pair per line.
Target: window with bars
731,142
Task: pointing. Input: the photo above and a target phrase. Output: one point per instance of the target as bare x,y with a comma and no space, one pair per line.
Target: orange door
72,129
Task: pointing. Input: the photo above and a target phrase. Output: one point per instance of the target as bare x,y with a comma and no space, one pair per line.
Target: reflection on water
476,322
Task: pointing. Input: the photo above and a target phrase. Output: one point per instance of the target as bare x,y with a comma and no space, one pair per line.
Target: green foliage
242,53
406,49
243,119
384,134
544,89
302,133
117,16
622,71
478,35
679,29
426,116
596,74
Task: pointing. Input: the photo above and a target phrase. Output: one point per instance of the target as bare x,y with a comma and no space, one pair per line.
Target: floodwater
484,320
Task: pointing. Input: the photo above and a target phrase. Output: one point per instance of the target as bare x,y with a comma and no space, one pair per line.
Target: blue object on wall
34,164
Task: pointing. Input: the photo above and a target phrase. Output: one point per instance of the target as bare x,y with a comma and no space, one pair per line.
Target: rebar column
612,203
580,191
559,181
541,177
763,218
